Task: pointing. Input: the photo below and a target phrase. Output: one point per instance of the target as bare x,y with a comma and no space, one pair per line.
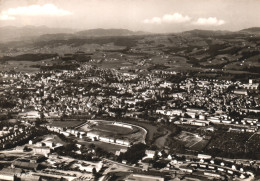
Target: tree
135,153
94,171
160,164
92,146
41,116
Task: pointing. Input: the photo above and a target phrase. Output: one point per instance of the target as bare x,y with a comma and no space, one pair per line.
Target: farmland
197,51
22,66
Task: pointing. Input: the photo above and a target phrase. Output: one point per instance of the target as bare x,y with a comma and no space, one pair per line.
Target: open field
114,129
21,66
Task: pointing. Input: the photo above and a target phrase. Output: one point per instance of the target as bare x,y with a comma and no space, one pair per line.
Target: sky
157,16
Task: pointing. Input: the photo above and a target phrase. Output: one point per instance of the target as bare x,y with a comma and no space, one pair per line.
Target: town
129,90
96,123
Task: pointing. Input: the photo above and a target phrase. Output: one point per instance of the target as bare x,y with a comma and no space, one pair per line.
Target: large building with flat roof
139,177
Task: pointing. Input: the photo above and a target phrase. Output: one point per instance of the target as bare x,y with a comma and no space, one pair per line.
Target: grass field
108,129
23,66
114,129
151,129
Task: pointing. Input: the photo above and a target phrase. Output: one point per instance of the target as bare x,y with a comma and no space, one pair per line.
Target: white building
150,153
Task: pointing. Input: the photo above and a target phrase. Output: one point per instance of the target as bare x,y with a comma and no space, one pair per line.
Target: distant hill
12,33
109,32
206,33
57,36
89,34
251,30
42,33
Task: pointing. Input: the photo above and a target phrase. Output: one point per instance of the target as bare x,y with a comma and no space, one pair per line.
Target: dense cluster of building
10,136
157,96
104,92
201,165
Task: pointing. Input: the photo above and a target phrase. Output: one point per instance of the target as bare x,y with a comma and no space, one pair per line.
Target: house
212,174
89,166
28,177
138,177
166,85
9,173
118,153
214,120
126,143
145,167
118,141
25,165
199,123
65,133
48,143
41,150
35,158
169,157
161,112
150,153
177,112
124,161
29,115
241,92
202,156
211,167
194,110
185,169
230,172
104,139
93,136
251,85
